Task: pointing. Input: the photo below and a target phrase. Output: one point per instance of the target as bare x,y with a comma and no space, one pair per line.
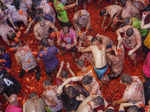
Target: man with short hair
111,11
81,19
98,49
130,37
134,92
43,28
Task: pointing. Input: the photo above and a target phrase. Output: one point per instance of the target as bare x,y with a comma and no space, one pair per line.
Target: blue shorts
100,72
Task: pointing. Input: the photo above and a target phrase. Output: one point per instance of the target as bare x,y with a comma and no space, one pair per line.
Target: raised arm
82,49
59,90
60,69
138,40
71,5
143,25
70,70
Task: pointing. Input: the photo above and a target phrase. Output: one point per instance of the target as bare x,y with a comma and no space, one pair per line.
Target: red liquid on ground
113,91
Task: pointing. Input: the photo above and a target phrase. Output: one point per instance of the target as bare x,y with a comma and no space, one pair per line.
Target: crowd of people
98,58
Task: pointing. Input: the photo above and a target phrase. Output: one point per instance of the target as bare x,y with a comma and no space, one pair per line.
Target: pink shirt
12,108
146,66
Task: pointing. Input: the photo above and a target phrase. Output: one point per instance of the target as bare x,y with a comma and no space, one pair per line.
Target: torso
99,57
26,58
113,9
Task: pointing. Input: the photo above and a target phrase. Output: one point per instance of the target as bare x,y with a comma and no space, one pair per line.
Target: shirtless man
50,97
34,104
90,103
129,10
131,39
41,29
87,81
98,49
6,30
81,19
111,11
48,11
115,61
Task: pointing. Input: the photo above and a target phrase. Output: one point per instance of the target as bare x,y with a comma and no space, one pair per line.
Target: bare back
113,10
99,56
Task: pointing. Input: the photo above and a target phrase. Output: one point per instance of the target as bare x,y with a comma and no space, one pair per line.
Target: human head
33,96
98,101
80,62
133,109
11,35
71,91
110,110
42,22
103,12
46,83
64,74
129,32
12,99
44,43
2,50
123,2
87,80
126,79
66,27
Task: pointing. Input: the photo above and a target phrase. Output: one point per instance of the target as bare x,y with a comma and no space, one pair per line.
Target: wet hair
33,94
80,62
112,52
126,79
102,12
16,3
110,110
87,80
99,101
68,24
12,36
46,83
44,42
2,49
123,2
71,92
64,74
129,32
133,109
93,39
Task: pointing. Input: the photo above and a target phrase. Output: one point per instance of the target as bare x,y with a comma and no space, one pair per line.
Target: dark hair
71,92
129,32
64,74
112,52
12,36
99,101
102,12
87,79
123,2
33,94
80,62
126,79
68,24
44,42
46,83
110,110
16,3
133,109
93,39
